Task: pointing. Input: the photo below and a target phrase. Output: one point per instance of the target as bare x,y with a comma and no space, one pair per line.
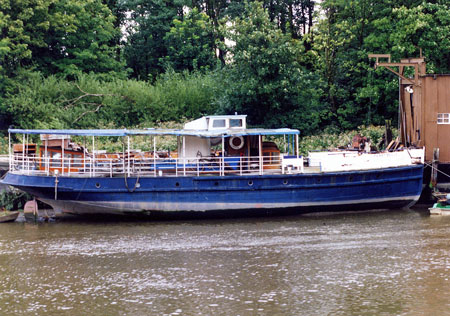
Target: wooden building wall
436,99
419,112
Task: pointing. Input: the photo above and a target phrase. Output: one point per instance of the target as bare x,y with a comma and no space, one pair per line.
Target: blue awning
157,132
79,132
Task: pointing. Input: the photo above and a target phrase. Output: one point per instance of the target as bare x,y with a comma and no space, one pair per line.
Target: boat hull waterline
340,191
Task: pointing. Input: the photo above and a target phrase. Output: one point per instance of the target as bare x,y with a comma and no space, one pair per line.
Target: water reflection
375,263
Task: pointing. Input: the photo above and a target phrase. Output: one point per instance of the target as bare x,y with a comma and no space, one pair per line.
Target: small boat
216,166
7,216
442,206
439,209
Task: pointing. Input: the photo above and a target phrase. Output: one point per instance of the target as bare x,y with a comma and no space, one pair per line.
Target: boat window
56,159
218,123
235,123
275,157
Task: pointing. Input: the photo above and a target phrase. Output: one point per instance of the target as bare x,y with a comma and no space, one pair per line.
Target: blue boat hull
228,195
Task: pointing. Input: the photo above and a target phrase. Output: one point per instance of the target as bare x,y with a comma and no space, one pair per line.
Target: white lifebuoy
238,146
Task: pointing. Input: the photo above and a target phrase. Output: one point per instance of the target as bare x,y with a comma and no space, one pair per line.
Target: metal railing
91,166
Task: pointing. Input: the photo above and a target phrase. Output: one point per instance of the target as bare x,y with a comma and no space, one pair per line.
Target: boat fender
236,142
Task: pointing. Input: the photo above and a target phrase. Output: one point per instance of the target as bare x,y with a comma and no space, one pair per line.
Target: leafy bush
13,200
332,140
35,101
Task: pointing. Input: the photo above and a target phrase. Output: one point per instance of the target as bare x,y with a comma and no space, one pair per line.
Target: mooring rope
135,184
427,164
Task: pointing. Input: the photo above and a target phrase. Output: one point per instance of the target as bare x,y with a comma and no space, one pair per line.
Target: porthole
250,183
177,184
97,185
216,183
285,181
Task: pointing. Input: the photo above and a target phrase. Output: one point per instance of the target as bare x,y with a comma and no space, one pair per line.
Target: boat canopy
158,132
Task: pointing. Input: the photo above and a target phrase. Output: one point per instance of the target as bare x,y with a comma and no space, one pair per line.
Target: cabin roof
158,132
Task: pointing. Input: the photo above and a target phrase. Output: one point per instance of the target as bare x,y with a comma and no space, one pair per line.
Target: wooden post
434,167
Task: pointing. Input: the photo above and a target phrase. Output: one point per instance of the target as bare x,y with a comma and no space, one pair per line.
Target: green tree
58,36
190,43
83,45
148,24
37,101
293,16
265,79
407,29
349,31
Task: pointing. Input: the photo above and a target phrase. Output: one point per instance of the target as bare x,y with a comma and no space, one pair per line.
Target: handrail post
128,156
9,151
123,158
260,155
46,160
198,166
222,160
240,166
154,155
93,156
23,153
62,155
184,156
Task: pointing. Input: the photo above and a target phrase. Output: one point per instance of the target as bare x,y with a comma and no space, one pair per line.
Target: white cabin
201,147
218,122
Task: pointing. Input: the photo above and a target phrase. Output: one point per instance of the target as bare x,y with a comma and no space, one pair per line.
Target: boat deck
152,167
120,166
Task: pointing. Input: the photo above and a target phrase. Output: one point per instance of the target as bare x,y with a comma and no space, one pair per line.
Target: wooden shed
424,112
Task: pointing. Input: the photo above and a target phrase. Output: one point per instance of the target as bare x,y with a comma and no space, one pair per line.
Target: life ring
234,145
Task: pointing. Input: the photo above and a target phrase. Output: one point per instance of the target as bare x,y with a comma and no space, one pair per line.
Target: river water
371,263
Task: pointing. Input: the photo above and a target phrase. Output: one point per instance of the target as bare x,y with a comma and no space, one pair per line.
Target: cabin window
443,118
56,159
218,123
235,123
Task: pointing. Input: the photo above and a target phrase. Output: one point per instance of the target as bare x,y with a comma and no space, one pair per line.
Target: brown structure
424,114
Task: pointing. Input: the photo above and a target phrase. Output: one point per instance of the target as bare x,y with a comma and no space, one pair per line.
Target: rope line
427,164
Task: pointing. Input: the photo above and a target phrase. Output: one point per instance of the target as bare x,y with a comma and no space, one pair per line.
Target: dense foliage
294,63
